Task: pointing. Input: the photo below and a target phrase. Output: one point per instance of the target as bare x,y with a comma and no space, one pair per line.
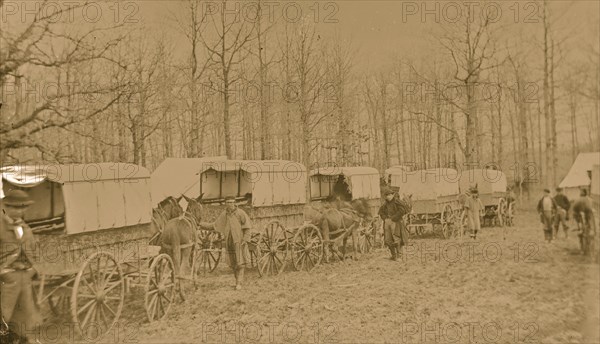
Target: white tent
579,174
174,175
426,184
271,182
89,196
363,181
487,181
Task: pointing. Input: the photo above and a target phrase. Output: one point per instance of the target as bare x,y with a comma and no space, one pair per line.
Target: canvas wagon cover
174,175
96,196
271,182
487,181
426,184
363,181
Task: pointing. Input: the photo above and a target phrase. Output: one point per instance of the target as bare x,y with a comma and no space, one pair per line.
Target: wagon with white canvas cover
434,193
492,188
351,183
92,225
271,192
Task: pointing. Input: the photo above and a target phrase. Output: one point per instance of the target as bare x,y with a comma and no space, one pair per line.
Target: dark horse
166,210
337,221
178,236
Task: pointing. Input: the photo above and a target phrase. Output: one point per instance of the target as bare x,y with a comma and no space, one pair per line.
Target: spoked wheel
272,249
307,248
209,251
160,287
447,221
509,215
411,220
501,212
366,237
97,295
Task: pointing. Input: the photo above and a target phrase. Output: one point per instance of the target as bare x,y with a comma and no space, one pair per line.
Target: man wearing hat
473,207
391,212
547,208
234,224
17,249
562,211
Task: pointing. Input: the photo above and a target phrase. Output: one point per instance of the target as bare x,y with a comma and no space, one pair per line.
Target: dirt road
488,291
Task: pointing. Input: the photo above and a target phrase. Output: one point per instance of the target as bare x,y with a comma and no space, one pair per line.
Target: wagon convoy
93,224
100,226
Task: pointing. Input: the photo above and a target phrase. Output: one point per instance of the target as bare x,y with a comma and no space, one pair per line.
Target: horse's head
171,208
194,207
361,206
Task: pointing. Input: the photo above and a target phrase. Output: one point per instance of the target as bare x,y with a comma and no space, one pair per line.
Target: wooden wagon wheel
208,251
509,215
272,249
160,287
447,220
366,237
501,212
98,294
307,248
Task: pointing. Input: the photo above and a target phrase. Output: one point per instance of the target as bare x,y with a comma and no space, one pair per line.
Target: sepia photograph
299,171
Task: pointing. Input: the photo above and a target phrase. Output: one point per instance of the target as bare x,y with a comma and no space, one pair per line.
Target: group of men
554,212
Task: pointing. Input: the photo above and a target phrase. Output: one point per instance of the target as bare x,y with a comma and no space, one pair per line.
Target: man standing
546,208
584,206
562,212
394,233
234,224
473,207
17,248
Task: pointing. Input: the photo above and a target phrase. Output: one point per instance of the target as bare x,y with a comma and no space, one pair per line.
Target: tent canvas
595,182
89,196
426,184
578,175
487,181
363,181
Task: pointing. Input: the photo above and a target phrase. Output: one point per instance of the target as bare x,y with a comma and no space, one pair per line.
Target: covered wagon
92,225
434,193
492,188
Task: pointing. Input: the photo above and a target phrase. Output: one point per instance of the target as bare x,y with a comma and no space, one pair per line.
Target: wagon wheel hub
100,297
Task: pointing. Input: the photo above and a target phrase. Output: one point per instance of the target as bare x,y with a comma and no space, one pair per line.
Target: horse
338,221
166,210
179,235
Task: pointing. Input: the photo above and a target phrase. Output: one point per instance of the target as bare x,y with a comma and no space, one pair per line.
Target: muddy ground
518,290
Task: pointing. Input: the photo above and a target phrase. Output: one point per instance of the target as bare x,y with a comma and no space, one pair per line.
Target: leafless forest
511,84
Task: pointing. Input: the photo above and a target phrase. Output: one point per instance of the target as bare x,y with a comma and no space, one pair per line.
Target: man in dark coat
547,208
562,212
234,224
394,232
17,255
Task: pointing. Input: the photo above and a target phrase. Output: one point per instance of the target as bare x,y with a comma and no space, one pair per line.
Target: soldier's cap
547,190
559,189
388,192
17,199
474,191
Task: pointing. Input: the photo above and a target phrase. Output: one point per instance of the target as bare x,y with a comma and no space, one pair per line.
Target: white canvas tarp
578,174
426,184
174,175
96,196
487,181
363,181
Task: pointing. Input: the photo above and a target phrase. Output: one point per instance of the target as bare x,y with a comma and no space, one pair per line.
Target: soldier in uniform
473,208
17,248
394,232
234,224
